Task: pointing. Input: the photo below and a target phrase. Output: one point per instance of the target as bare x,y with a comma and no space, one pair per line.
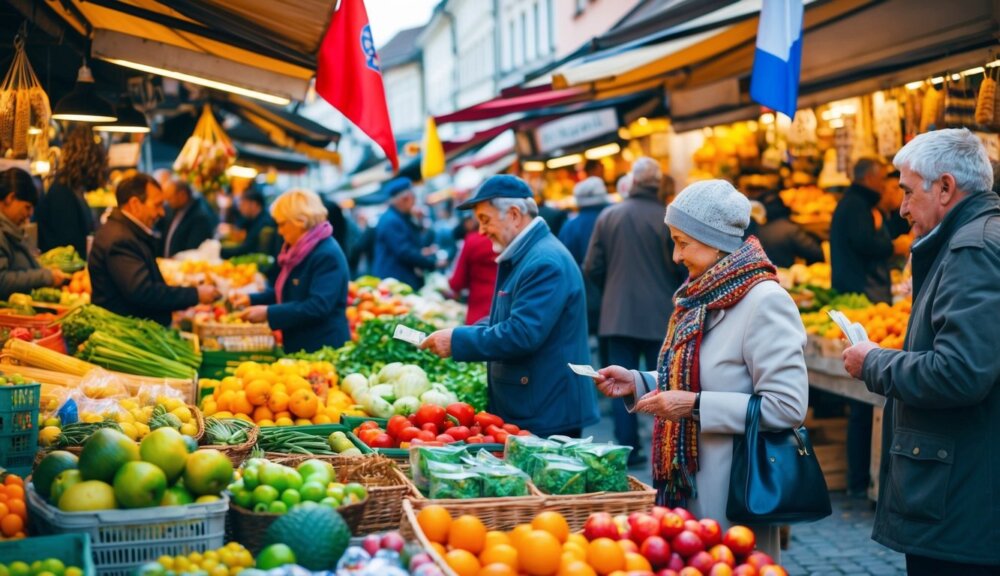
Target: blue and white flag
774,81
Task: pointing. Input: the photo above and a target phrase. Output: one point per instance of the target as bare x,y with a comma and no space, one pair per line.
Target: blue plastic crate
19,427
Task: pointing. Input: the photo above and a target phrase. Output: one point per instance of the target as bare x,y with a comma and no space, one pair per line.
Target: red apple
703,561
721,569
671,525
372,544
690,571
693,526
711,532
628,546
687,543
744,570
772,570
621,521
723,554
667,572
600,525
659,512
656,550
740,540
676,562
759,559
642,526
683,513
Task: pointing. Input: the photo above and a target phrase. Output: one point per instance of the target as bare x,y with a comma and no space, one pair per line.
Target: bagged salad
607,466
521,450
421,456
559,475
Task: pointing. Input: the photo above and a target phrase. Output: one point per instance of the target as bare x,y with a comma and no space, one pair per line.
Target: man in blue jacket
399,252
538,321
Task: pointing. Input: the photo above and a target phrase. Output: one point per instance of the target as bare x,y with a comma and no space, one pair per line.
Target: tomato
368,425
408,433
396,424
430,427
381,440
446,438
511,428
425,436
485,419
476,439
489,440
524,433
463,414
493,430
458,432
432,414
368,435
413,419
501,436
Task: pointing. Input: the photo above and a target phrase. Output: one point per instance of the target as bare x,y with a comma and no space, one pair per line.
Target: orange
12,479
258,392
303,403
224,402
467,533
552,522
321,419
278,402
539,553
497,569
578,539
605,556
435,522
462,562
519,531
500,553
18,507
240,404
262,413
441,550
577,568
4,509
494,537
634,561
11,525
577,551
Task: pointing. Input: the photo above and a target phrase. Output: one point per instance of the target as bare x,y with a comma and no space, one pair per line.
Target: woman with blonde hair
308,302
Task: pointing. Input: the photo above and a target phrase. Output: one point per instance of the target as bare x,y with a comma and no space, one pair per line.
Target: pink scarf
292,256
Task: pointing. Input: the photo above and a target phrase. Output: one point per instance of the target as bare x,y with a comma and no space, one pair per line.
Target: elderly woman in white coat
734,332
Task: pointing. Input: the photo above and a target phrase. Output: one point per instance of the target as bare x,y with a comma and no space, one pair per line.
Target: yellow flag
432,162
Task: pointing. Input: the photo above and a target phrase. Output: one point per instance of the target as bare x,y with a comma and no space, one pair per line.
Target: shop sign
575,128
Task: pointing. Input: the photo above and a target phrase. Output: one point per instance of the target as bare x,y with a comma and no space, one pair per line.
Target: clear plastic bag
559,475
607,466
456,485
100,384
420,456
502,481
520,451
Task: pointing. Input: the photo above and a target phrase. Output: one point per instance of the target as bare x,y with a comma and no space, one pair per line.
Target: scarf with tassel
675,446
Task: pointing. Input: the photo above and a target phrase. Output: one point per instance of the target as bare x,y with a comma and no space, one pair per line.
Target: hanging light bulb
83,104
129,120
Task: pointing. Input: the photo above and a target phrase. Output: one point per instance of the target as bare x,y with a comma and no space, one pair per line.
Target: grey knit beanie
712,212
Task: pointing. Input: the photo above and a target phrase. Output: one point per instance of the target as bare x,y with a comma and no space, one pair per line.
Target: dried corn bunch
933,100
23,106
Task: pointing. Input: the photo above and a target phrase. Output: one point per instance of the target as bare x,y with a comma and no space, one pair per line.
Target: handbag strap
753,426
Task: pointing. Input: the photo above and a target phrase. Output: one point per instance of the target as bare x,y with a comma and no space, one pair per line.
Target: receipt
584,370
407,334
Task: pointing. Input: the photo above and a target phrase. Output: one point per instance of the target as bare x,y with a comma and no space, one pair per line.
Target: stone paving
840,544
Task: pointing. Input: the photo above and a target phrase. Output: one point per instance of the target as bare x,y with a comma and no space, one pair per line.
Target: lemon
166,561
183,413
195,558
189,429
53,421
181,564
48,435
73,571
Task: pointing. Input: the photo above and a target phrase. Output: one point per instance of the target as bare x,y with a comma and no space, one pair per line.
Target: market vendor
538,322
309,300
261,234
192,221
19,270
122,262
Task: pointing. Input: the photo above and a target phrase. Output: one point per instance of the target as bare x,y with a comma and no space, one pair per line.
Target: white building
525,37
402,74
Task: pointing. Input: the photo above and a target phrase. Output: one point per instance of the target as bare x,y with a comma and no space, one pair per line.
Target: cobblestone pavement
840,544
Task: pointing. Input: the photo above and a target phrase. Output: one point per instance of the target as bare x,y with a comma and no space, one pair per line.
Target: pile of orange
543,548
286,393
13,511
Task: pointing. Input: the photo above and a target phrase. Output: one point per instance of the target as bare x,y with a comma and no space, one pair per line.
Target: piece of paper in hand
407,334
584,370
854,332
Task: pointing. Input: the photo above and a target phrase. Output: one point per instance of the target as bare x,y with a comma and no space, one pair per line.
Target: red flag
349,75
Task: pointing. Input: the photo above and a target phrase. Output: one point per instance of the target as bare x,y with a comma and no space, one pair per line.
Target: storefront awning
512,104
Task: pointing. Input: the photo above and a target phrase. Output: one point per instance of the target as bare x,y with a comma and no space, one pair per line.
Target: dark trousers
924,566
627,352
859,446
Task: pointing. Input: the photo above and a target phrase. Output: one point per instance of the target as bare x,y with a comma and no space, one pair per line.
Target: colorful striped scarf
675,450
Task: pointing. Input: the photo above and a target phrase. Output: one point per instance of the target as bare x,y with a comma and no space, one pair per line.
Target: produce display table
828,374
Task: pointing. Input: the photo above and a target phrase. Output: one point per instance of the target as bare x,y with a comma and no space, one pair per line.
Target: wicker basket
387,488
410,530
199,419
249,528
578,507
237,453
496,513
235,337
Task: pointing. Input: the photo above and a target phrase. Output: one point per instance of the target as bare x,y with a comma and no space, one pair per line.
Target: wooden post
876,460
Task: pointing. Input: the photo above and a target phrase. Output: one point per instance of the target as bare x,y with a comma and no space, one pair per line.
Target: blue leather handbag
775,477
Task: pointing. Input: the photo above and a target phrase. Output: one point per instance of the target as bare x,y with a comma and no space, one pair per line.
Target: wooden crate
833,460
876,461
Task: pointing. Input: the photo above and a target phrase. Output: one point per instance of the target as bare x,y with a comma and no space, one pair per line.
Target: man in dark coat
784,240
591,198
399,252
193,221
538,321
261,231
122,262
630,258
860,250
939,500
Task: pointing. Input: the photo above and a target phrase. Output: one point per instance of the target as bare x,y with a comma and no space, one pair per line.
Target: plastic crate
19,427
71,549
123,540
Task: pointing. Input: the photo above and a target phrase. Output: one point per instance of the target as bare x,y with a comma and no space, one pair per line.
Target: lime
293,479
277,507
275,556
313,491
73,571
3,570
19,568
357,490
243,498
36,567
336,491
44,573
331,502
151,569
251,477
291,497
54,565
265,494
206,499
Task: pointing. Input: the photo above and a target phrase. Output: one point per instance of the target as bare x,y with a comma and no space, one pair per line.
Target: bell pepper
458,432
432,414
464,414
485,420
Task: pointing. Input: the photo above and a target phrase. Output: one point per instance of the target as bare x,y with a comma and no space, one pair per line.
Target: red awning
502,106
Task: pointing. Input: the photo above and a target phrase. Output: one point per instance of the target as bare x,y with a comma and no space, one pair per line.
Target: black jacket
125,277
784,240
19,270
64,219
197,224
859,253
262,238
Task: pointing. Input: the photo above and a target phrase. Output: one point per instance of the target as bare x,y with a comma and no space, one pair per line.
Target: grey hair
646,172
524,205
591,186
955,151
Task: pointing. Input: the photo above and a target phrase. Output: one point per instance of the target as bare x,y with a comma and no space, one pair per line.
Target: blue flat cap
500,186
397,186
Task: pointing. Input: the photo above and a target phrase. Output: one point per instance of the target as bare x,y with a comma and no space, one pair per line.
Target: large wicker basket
235,337
578,507
237,453
410,529
387,488
496,513
249,528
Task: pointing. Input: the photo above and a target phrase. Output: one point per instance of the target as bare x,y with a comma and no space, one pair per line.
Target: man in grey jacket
940,470
630,260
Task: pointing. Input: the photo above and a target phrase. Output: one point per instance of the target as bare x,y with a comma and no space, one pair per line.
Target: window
524,38
581,5
511,43
540,47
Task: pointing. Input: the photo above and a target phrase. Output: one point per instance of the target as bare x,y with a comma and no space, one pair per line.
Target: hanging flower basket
206,156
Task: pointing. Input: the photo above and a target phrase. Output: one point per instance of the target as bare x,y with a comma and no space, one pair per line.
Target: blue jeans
627,352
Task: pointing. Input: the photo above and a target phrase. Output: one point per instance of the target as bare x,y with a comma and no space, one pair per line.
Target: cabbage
384,391
390,372
412,381
439,395
354,384
406,405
